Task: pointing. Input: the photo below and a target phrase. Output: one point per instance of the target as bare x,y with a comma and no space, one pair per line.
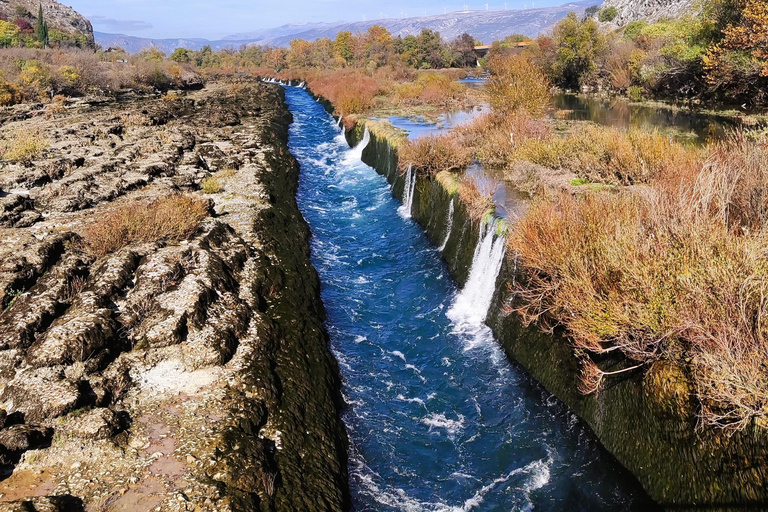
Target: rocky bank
186,374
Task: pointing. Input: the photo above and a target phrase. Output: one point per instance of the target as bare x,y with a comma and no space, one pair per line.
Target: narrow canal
438,419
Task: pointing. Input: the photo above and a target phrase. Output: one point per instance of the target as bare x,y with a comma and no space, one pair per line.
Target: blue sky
215,19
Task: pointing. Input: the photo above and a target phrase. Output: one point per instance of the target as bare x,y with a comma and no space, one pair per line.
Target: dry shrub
610,155
430,88
495,138
23,145
667,272
433,154
170,218
350,91
517,83
478,204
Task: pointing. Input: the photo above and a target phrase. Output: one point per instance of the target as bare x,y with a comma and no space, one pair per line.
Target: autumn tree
578,45
464,49
299,53
518,84
749,36
342,45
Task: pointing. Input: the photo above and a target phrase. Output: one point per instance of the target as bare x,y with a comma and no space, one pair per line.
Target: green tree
342,46
608,14
578,43
42,27
181,55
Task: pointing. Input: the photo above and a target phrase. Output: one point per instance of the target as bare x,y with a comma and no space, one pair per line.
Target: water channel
438,418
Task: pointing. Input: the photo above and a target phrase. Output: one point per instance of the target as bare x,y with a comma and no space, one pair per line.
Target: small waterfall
450,226
473,302
341,116
410,187
356,153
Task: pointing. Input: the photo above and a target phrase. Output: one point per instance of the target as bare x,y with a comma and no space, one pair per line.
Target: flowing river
438,418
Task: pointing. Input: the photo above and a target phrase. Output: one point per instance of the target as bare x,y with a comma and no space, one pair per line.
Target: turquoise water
438,418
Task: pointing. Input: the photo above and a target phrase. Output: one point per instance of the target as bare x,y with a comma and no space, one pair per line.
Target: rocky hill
486,26
58,16
649,10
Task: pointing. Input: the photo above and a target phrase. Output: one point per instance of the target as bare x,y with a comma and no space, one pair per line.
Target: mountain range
487,26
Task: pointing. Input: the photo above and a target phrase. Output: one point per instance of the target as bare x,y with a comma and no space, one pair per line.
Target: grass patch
170,218
23,145
211,185
578,182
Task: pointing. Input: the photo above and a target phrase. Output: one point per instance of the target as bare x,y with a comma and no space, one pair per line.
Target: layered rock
187,374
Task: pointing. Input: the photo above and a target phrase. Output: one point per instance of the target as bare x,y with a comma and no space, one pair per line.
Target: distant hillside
486,26
135,44
58,16
649,10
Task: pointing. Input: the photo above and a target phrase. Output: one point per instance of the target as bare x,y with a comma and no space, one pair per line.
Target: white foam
399,354
441,421
472,303
410,187
450,227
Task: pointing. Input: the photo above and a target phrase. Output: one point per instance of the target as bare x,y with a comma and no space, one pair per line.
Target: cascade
450,226
356,153
472,303
410,186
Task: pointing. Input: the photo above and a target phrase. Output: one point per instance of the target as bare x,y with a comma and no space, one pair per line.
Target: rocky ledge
173,374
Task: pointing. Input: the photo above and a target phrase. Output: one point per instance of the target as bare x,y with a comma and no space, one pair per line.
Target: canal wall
647,420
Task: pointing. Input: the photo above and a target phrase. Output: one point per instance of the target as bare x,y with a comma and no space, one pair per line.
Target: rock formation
58,16
189,374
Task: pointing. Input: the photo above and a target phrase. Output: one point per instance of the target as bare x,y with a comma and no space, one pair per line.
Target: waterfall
450,226
356,153
473,302
410,187
341,116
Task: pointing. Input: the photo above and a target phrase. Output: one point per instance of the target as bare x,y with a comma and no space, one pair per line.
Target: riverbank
648,420
185,369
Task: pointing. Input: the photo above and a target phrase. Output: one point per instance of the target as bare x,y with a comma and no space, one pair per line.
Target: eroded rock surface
182,375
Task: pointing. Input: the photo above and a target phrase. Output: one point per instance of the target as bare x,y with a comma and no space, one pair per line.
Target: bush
171,218
610,155
434,154
676,271
211,185
23,145
517,83
608,14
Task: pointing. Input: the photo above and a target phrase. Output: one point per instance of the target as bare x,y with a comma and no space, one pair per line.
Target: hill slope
484,25
649,10
58,16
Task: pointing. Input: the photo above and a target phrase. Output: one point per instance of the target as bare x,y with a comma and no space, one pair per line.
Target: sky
216,19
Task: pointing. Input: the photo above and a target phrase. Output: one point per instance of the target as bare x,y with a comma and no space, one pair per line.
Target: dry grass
494,138
677,271
433,154
350,90
23,145
610,155
478,202
432,88
170,218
